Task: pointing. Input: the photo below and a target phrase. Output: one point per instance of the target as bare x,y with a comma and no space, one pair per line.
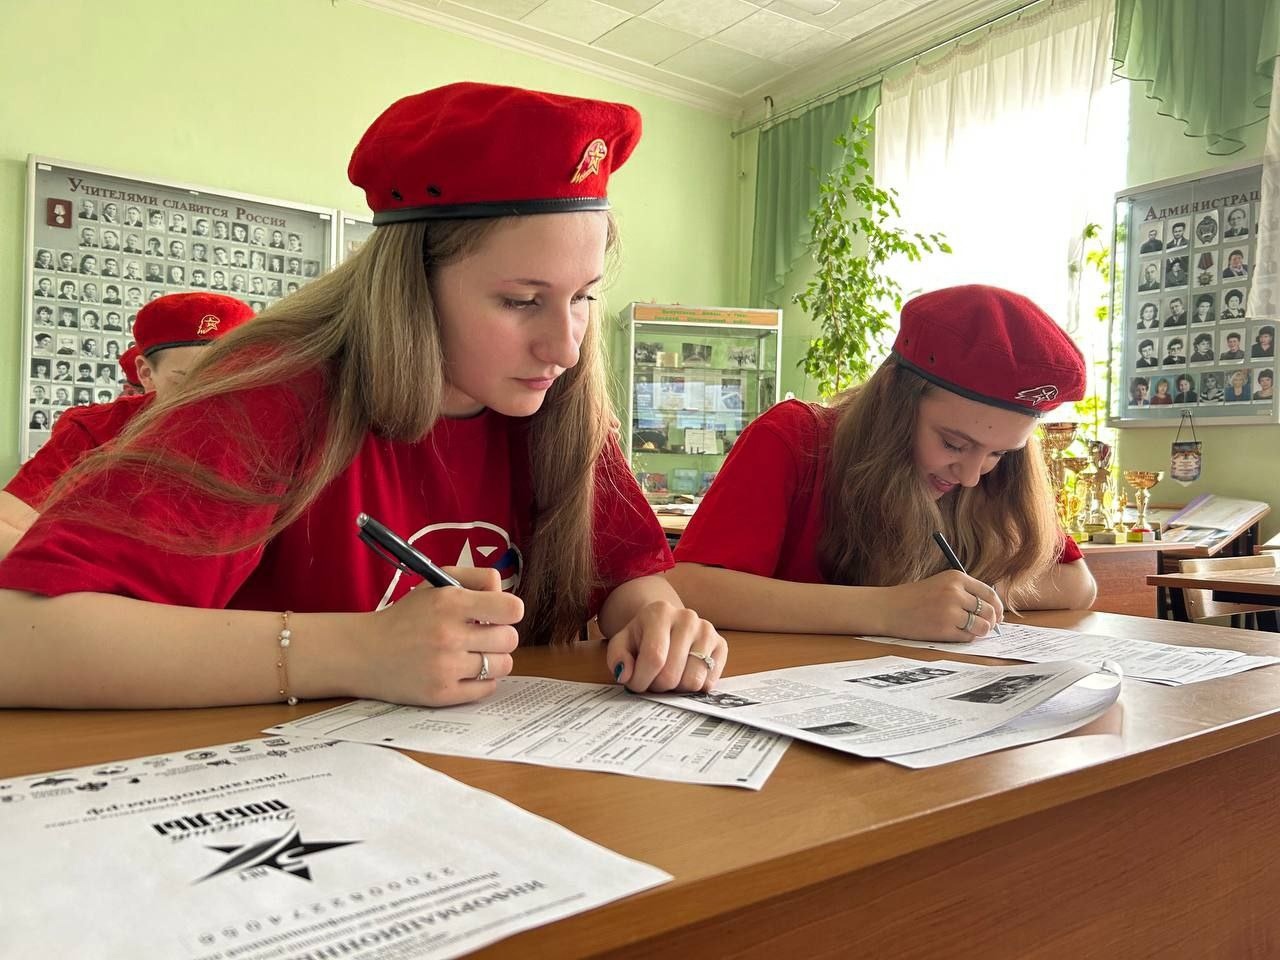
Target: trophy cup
1056,437
1096,520
1142,481
1072,502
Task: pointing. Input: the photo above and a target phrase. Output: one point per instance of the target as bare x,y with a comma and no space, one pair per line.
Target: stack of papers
1165,663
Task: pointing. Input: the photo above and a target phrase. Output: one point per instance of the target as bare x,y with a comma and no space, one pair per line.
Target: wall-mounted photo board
1183,335
101,243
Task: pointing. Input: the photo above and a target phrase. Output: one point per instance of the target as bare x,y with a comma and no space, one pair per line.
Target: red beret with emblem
187,320
990,345
129,365
474,150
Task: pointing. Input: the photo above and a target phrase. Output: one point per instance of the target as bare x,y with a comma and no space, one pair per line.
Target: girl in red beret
445,380
168,342
822,518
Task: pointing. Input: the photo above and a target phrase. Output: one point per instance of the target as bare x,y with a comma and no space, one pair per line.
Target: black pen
955,563
400,554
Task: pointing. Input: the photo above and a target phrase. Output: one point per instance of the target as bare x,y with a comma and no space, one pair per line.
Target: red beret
991,345
129,364
472,150
187,320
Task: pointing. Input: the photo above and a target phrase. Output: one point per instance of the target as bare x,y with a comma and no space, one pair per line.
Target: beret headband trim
967,394
176,343
500,208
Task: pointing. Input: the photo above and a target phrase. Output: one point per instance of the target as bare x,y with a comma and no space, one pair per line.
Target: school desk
1154,832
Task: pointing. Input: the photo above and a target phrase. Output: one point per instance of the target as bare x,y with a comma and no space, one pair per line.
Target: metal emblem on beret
208,324
1037,395
589,165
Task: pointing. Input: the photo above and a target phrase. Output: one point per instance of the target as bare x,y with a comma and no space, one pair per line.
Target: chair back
1200,603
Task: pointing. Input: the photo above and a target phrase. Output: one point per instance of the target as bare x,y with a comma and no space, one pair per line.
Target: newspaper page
1079,704
562,723
283,850
1148,660
886,706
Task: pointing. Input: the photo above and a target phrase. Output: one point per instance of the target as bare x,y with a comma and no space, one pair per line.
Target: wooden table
1154,832
1272,544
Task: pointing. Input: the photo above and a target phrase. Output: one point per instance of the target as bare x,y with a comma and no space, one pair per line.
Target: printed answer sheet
562,723
891,706
273,849
1165,663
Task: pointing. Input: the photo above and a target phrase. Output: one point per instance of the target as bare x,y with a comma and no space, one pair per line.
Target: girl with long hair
822,519
446,380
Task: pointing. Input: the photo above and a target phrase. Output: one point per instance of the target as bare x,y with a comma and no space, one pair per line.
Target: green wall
1238,461
269,97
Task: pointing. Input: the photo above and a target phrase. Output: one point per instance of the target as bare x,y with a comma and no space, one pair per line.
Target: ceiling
724,55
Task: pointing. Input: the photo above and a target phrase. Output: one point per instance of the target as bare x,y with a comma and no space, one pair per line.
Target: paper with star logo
283,849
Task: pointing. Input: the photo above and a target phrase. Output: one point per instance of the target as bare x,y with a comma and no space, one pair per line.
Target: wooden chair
1201,605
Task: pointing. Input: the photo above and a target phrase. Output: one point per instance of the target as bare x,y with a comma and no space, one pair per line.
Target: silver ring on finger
484,668
706,658
968,622
977,608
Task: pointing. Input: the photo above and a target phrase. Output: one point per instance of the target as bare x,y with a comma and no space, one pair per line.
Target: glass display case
697,377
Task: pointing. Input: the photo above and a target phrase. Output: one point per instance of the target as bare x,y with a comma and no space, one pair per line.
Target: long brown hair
880,521
369,331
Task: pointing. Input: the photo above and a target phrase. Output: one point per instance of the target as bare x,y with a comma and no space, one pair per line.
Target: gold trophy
1072,502
1142,481
1055,438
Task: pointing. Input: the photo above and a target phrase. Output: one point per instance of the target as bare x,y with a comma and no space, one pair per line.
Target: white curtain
1010,142
1264,296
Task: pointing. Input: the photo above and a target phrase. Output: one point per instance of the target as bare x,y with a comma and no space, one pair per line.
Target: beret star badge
589,165
1038,395
208,324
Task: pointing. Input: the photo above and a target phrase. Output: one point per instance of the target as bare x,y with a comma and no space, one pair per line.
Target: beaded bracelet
282,665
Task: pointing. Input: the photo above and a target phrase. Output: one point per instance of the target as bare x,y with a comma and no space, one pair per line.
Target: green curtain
1208,62
793,156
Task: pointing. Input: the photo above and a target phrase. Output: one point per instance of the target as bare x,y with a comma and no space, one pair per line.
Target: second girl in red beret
446,380
822,518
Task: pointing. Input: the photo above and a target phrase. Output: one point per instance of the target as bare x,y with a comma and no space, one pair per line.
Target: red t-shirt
764,512
78,430
462,495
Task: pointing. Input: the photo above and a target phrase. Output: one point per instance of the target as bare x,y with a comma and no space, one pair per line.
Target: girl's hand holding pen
438,646
950,607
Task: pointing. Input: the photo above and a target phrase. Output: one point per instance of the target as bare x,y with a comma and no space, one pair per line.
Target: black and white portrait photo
1237,223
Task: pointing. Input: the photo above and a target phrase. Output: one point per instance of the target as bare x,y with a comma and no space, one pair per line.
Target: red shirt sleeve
35,478
248,439
742,521
1070,551
627,539
78,431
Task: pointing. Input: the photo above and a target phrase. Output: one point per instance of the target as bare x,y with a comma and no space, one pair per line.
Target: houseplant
851,295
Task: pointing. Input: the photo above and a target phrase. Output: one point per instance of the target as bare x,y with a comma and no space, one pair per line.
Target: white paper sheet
1165,663
560,723
886,706
276,849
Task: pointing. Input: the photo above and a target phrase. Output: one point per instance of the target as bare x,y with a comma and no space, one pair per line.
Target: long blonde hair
880,522
368,328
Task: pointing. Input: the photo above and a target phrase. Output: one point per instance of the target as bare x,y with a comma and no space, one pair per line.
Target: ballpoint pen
955,563
401,554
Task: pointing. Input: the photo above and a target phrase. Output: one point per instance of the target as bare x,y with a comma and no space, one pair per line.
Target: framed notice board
1184,335
353,230
100,244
